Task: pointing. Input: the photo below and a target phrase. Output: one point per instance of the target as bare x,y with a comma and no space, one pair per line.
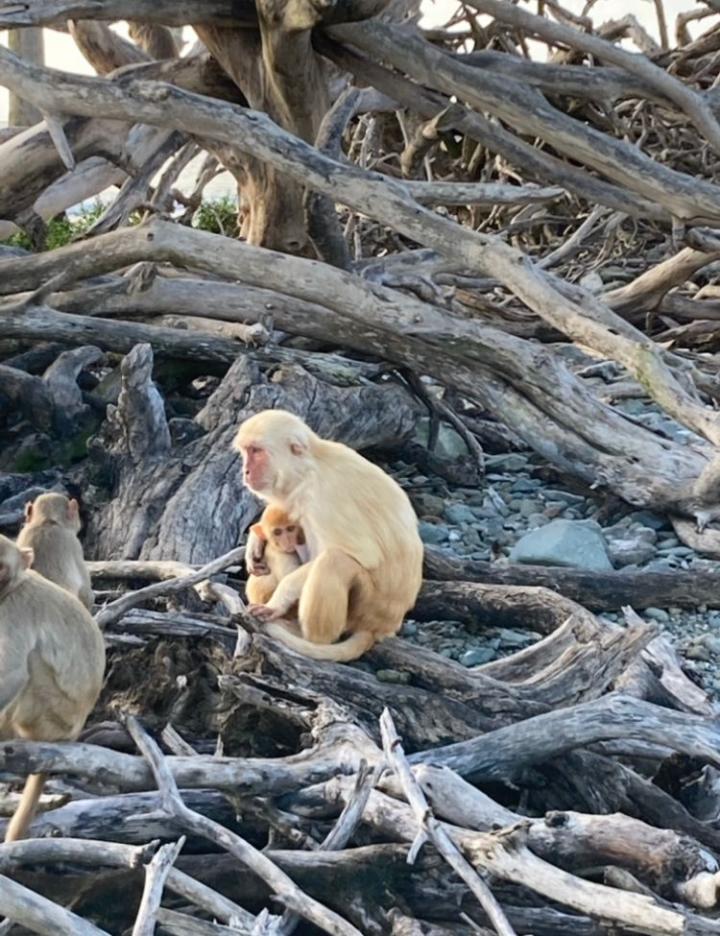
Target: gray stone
428,504
393,676
409,629
565,496
578,545
657,614
697,651
537,520
630,552
647,519
682,552
525,486
528,507
433,533
459,513
511,462
477,656
449,443
514,638
712,642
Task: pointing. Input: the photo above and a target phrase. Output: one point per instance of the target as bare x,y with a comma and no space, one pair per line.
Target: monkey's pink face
257,468
287,538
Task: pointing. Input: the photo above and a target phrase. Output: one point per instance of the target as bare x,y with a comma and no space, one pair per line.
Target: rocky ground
526,512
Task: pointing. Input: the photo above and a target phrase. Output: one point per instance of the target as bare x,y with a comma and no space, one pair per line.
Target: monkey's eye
290,529
277,532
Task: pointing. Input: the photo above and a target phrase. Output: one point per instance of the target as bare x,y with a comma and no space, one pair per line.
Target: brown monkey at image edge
284,550
365,565
52,522
52,660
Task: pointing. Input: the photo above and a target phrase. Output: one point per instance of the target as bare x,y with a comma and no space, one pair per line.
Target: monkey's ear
257,529
28,510
27,556
73,510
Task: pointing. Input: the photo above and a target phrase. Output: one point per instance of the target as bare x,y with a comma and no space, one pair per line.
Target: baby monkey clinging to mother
281,550
365,552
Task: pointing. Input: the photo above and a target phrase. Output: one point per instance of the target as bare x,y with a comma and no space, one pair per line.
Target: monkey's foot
263,612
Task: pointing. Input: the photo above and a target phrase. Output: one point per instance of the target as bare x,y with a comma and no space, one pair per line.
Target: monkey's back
52,661
58,557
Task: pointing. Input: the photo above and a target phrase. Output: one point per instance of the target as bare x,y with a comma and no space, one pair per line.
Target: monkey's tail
23,815
349,649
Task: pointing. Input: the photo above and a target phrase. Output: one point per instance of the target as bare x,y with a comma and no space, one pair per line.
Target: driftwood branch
281,884
430,828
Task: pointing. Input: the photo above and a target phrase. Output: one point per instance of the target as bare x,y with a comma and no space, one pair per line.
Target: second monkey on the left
52,522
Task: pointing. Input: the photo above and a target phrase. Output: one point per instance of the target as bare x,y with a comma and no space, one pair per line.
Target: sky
60,51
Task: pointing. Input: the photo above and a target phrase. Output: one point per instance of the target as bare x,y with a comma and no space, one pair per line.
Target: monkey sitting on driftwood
52,660
52,522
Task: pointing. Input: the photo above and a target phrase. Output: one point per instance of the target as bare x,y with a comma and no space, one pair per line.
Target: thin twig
431,829
156,874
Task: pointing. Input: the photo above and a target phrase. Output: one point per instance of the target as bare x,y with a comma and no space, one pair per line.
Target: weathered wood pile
416,243
570,787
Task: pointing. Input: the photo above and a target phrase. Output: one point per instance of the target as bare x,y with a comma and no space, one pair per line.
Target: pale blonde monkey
365,565
52,522
282,541
52,659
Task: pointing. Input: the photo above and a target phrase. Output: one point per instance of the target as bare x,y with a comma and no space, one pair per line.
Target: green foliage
219,216
61,230
29,461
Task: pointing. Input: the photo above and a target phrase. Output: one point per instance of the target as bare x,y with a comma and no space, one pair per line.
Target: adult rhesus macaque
365,563
52,659
52,522
284,551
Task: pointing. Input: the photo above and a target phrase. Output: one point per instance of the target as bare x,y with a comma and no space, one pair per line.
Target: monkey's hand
255,555
263,612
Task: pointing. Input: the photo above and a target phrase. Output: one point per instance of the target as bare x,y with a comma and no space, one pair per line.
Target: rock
433,533
630,552
528,507
657,614
554,509
393,676
712,643
459,513
409,629
697,651
472,538
525,486
428,504
565,496
510,462
647,519
449,443
578,545
515,638
477,656
537,520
